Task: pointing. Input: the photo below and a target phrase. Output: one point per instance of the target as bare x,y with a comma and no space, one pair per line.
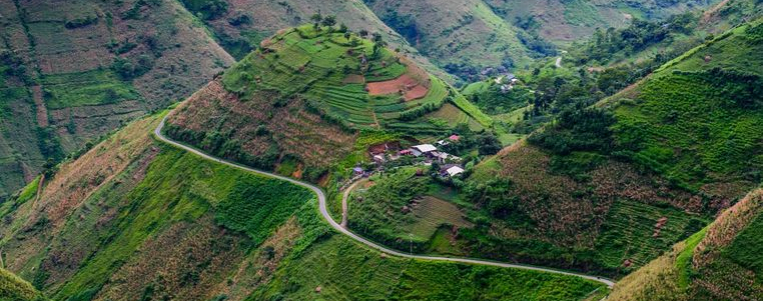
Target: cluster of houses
450,164
507,82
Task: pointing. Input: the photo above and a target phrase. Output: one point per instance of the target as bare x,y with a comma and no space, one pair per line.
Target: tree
329,21
488,144
316,18
343,28
363,33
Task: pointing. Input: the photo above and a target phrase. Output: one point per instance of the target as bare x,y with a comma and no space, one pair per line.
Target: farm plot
430,214
94,87
637,232
409,87
348,101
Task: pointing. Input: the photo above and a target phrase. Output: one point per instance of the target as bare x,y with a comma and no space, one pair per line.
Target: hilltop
313,96
72,71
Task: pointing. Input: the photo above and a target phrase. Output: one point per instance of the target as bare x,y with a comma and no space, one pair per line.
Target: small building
358,170
450,170
439,156
379,158
454,138
405,152
425,148
418,150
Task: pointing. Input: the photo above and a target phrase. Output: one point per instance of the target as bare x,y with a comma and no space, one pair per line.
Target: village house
422,149
450,170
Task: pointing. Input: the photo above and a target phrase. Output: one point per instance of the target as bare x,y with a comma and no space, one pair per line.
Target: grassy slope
457,32
13,288
168,224
702,136
721,262
70,91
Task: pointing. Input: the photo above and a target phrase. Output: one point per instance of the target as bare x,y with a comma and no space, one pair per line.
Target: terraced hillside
135,218
75,70
722,262
604,189
308,94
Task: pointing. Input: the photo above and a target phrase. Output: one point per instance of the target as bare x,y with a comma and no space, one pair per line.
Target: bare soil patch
354,79
406,85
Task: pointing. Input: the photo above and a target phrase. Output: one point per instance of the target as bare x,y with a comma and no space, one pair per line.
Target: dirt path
39,103
327,216
346,196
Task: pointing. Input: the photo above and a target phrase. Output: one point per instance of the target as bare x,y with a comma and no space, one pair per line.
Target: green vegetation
314,63
69,90
13,288
336,267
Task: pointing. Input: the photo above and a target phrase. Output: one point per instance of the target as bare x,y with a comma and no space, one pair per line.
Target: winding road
324,211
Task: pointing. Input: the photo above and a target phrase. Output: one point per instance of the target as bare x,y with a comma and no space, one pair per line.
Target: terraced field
316,64
638,232
432,213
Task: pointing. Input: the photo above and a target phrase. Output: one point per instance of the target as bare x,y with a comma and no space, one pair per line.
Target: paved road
345,231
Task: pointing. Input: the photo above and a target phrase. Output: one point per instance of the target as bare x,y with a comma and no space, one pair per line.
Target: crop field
431,214
317,65
631,232
94,87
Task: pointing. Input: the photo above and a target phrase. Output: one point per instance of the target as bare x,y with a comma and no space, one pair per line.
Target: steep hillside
722,262
461,36
310,97
13,288
75,70
135,218
566,21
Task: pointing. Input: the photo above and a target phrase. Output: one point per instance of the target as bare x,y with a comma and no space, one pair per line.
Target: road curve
324,211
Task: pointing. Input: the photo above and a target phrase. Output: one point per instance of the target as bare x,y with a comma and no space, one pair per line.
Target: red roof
454,138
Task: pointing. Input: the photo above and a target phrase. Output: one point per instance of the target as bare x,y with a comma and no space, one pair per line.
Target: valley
380,150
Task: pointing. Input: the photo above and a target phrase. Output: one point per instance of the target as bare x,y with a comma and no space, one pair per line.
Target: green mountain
72,71
469,38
